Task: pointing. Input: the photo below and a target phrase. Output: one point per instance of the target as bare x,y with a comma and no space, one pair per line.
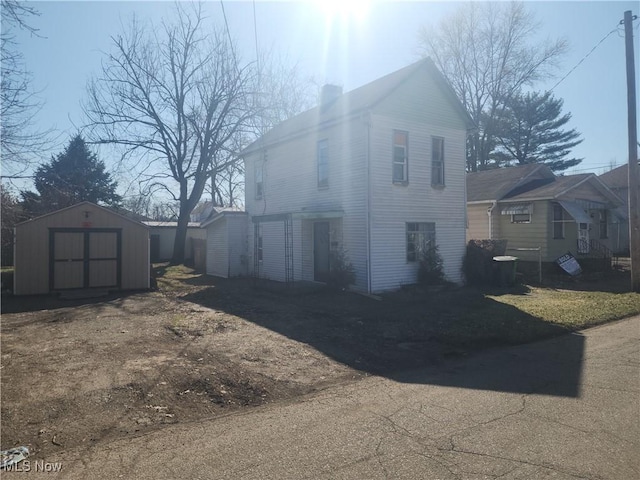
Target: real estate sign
569,264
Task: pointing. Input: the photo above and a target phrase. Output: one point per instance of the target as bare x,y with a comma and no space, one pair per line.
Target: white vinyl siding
227,246
292,177
392,208
323,163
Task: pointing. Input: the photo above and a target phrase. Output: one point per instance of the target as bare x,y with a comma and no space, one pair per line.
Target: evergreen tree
530,131
73,176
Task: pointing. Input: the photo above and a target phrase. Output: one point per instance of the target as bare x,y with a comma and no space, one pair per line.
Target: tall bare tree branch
487,53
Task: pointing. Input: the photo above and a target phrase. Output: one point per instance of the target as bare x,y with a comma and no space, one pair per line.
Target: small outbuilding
84,246
226,243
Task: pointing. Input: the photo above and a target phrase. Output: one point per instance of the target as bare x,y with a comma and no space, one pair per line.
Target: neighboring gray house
530,207
377,173
617,180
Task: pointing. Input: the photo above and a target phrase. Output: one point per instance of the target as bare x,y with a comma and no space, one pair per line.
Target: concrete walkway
546,410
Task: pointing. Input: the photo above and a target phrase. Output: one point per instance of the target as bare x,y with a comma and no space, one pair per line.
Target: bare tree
177,97
486,52
18,103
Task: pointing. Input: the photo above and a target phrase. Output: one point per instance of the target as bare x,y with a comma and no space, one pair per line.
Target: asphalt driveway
463,419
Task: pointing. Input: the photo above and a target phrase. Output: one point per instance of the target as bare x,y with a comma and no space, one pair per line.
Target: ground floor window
558,221
420,237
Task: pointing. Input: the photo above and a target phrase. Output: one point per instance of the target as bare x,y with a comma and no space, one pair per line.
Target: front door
583,238
320,251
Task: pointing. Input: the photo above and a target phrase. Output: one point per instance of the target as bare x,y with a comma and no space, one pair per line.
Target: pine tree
74,175
530,131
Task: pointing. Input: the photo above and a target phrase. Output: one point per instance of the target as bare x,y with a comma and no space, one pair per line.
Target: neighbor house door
320,251
84,258
583,238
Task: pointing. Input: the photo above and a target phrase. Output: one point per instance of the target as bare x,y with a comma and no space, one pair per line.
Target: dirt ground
76,373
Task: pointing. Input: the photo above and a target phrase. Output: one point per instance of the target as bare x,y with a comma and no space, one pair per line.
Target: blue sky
348,48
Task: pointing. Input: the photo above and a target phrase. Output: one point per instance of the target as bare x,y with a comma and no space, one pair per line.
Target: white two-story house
377,173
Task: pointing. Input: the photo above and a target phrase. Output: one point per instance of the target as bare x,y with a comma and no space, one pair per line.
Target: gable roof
493,185
552,189
616,178
358,100
77,205
527,183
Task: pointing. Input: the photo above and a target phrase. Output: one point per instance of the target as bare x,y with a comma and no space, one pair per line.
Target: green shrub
477,264
342,273
431,269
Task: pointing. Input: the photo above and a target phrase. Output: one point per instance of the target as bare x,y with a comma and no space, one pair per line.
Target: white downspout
490,215
368,202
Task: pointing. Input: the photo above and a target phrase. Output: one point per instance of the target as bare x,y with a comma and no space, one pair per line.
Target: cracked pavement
531,411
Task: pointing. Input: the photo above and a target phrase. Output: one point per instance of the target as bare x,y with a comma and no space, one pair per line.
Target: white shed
227,243
80,247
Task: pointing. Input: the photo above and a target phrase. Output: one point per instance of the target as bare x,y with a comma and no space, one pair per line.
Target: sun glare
344,9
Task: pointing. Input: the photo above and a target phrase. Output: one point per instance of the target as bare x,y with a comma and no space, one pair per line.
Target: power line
255,34
585,57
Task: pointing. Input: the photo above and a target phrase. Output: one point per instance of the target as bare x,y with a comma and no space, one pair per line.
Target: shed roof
357,100
78,205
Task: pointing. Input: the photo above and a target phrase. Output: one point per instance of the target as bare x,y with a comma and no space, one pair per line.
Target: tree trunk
181,236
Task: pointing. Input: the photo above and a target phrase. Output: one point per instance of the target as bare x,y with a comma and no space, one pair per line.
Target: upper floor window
400,157
420,238
323,164
437,161
259,179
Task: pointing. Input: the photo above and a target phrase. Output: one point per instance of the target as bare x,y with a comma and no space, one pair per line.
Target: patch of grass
172,278
574,309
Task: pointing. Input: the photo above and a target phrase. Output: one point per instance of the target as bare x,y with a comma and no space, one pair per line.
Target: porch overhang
301,215
576,212
516,209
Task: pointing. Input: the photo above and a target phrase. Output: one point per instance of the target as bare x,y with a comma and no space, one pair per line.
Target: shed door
84,258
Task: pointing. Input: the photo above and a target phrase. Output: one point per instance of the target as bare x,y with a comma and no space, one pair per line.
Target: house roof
360,99
159,224
616,178
557,186
527,183
493,185
221,212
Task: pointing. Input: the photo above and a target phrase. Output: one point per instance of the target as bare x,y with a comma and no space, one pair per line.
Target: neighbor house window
259,175
323,164
558,221
420,237
604,233
521,218
400,157
437,161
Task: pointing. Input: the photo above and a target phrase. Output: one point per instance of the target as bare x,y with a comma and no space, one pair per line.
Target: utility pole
634,220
